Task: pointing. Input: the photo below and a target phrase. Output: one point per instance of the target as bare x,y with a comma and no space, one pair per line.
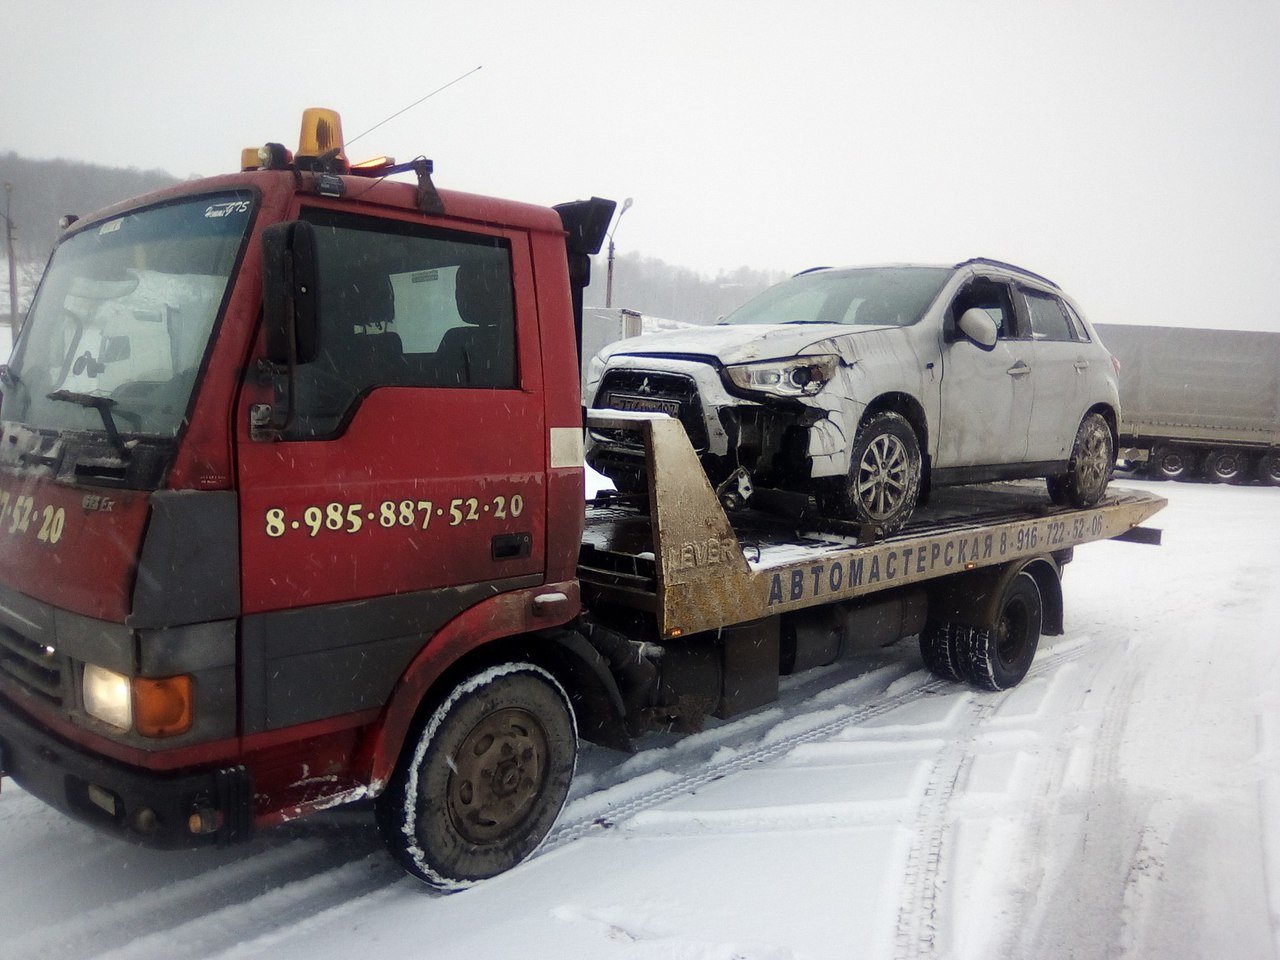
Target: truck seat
481,353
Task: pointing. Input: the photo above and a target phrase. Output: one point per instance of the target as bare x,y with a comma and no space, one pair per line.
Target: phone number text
389,514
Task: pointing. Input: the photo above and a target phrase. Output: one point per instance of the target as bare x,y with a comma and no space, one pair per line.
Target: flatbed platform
677,555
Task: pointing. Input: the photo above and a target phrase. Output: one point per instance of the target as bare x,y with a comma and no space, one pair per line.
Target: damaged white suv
864,387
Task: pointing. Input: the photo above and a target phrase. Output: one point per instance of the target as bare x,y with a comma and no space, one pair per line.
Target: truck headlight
793,377
108,696
155,707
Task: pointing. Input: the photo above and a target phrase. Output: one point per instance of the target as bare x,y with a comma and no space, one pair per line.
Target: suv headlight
595,370
793,377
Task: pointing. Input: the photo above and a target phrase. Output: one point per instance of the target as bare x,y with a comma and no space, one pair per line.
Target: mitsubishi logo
645,388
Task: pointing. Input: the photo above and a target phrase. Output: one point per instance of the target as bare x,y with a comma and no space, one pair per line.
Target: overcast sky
1129,150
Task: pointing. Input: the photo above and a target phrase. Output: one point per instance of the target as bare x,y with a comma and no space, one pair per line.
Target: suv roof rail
987,261
809,270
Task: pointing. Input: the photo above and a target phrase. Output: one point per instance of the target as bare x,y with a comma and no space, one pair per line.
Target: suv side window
403,305
991,296
1077,324
1048,317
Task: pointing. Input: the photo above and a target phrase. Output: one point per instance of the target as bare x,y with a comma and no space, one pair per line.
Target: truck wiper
103,405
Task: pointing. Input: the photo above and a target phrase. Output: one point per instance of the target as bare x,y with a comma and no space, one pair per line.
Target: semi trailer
1199,404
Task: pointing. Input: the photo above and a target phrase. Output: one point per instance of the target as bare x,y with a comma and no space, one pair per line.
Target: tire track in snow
1106,758
143,916
917,933
1122,844
926,874
266,916
606,815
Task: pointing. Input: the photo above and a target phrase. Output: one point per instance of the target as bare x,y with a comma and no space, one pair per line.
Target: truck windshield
124,313
869,296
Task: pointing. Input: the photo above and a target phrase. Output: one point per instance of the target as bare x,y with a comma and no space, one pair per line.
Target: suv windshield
870,296
123,316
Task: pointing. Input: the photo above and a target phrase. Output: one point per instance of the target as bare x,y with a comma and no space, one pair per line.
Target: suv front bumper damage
780,441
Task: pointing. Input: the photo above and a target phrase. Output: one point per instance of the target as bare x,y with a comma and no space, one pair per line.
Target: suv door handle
1082,364
1019,369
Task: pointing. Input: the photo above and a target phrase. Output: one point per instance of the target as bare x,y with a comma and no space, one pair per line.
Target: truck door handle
511,546
1019,369
1082,364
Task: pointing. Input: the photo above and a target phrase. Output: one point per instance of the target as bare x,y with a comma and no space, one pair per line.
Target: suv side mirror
976,324
290,293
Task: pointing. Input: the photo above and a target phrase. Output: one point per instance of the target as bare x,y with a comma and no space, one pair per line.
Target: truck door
411,483
986,393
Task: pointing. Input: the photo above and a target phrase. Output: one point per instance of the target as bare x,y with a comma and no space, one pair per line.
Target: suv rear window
1048,318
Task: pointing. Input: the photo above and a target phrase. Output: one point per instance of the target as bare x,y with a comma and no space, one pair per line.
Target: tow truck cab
263,435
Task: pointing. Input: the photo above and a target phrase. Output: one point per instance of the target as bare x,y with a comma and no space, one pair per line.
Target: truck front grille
646,390
36,668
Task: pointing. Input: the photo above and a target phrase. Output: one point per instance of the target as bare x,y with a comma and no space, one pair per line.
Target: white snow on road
1122,802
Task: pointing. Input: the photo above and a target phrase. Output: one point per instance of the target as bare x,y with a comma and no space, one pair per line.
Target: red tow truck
292,514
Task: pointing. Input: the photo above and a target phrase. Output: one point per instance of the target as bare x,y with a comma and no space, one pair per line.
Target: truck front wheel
480,787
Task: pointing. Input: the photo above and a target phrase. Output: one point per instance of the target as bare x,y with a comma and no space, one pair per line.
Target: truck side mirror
290,295
976,324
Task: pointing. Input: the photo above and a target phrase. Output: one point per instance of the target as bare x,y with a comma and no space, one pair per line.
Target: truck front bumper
166,810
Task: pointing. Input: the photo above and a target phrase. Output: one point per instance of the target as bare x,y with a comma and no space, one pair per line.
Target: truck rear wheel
480,787
941,647
1225,465
998,658
1171,463
1269,469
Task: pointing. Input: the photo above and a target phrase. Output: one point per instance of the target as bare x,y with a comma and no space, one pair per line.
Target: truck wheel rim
1012,632
499,770
882,482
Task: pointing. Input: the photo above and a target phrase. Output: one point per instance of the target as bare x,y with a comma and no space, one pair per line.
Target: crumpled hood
739,343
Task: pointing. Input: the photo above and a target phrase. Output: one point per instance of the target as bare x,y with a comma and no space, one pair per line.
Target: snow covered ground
1122,802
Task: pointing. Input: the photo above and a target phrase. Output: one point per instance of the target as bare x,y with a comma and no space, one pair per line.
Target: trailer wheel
479,789
1093,458
884,475
1225,465
941,647
1171,463
1269,469
997,659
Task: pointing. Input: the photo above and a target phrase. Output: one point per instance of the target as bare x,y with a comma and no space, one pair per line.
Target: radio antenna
414,104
